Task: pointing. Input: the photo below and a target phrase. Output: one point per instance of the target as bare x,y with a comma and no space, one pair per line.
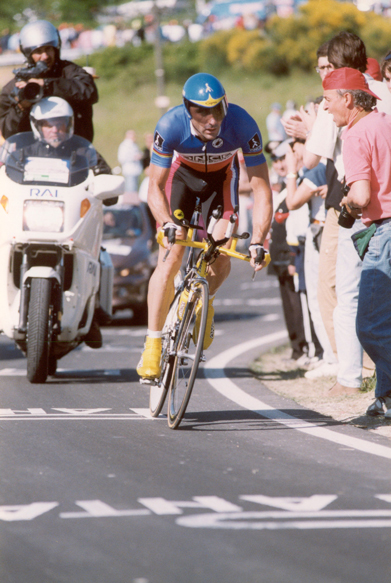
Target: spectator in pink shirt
367,162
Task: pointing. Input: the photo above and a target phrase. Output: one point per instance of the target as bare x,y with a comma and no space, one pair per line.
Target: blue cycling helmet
204,90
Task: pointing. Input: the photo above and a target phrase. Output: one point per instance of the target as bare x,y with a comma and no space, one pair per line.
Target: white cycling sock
154,334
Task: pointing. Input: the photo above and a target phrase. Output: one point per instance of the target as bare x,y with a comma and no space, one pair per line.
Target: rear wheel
158,393
38,330
187,357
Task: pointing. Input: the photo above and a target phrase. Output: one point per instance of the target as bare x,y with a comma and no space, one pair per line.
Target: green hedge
284,45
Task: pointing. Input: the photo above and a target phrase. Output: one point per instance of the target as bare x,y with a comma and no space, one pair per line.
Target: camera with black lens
32,92
345,219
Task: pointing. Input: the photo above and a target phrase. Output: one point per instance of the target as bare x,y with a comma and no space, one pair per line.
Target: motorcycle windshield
31,161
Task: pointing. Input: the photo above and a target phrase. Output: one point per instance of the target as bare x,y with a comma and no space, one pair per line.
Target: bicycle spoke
187,357
158,392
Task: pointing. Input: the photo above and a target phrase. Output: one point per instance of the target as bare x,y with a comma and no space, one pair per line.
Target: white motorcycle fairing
51,224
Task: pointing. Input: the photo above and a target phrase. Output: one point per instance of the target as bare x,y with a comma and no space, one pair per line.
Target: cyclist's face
207,120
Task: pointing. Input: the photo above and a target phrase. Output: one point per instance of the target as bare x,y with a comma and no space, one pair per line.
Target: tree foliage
291,43
13,15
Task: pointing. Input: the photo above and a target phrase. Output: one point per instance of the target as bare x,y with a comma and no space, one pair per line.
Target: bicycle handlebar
205,245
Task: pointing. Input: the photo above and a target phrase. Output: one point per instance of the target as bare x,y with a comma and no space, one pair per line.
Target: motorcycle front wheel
38,330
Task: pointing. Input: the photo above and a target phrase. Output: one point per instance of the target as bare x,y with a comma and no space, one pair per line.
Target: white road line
257,520
231,391
71,418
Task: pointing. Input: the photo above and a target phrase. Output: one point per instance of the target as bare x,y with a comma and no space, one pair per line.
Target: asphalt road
251,487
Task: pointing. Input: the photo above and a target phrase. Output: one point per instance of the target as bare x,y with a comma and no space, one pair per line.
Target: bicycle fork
182,352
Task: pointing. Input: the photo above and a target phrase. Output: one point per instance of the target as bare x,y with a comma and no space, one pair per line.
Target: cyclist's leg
226,195
160,295
161,284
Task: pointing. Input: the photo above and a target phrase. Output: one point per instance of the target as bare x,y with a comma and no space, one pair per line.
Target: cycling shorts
185,185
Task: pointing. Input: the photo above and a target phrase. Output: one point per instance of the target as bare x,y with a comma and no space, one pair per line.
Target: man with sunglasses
194,156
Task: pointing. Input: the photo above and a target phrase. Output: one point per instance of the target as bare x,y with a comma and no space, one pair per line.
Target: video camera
32,91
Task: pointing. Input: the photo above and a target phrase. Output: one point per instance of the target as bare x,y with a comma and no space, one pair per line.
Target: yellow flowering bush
289,43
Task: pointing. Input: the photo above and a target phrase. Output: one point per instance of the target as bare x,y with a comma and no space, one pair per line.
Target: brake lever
261,253
170,234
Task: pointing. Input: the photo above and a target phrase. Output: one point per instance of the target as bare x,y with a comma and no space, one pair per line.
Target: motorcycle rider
52,122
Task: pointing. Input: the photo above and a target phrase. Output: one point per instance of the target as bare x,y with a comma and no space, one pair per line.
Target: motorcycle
51,262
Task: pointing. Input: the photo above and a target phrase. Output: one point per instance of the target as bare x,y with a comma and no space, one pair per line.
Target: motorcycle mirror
108,185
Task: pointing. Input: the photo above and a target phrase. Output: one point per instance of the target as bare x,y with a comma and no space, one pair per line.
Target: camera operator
40,43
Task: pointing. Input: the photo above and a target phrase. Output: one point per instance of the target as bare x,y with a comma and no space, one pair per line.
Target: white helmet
54,109
40,33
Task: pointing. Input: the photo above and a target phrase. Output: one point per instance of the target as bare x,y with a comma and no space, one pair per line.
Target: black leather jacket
66,80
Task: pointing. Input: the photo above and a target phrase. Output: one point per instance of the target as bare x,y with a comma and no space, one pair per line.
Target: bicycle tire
38,343
158,392
183,375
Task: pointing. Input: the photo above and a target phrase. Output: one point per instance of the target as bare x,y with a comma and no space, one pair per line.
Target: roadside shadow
10,352
231,373
280,375
233,317
368,422
94,377
242,420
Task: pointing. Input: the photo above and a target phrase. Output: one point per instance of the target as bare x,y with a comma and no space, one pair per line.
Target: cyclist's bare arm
157,199
263,206
161,284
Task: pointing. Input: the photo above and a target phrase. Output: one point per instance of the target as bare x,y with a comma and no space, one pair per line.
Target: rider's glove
169,230
260,251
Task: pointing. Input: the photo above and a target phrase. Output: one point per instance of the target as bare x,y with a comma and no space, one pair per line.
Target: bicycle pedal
150,382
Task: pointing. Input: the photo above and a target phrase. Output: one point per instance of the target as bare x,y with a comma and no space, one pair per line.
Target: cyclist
194,156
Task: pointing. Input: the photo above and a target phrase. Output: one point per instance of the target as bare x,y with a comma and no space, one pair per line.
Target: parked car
129,235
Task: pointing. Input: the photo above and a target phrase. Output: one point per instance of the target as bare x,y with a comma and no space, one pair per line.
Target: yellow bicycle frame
228,251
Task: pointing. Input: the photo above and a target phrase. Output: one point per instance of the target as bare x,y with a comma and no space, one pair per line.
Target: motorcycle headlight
43,215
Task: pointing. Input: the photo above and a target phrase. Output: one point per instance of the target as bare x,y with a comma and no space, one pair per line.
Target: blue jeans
374,307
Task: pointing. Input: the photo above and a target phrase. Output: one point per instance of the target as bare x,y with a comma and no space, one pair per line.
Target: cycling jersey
207,170
175,136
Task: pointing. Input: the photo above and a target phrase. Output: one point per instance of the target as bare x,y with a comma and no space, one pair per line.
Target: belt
382,221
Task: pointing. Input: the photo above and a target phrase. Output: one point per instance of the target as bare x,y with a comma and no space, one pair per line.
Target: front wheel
158,392
186,358
38,330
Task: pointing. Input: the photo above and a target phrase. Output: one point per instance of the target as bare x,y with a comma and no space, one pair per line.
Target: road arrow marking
25,511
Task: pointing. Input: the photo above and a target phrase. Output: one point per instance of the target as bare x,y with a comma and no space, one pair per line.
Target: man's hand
291,270
295,127
25,103
171,233
257,253
353,210
291,161
321,191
